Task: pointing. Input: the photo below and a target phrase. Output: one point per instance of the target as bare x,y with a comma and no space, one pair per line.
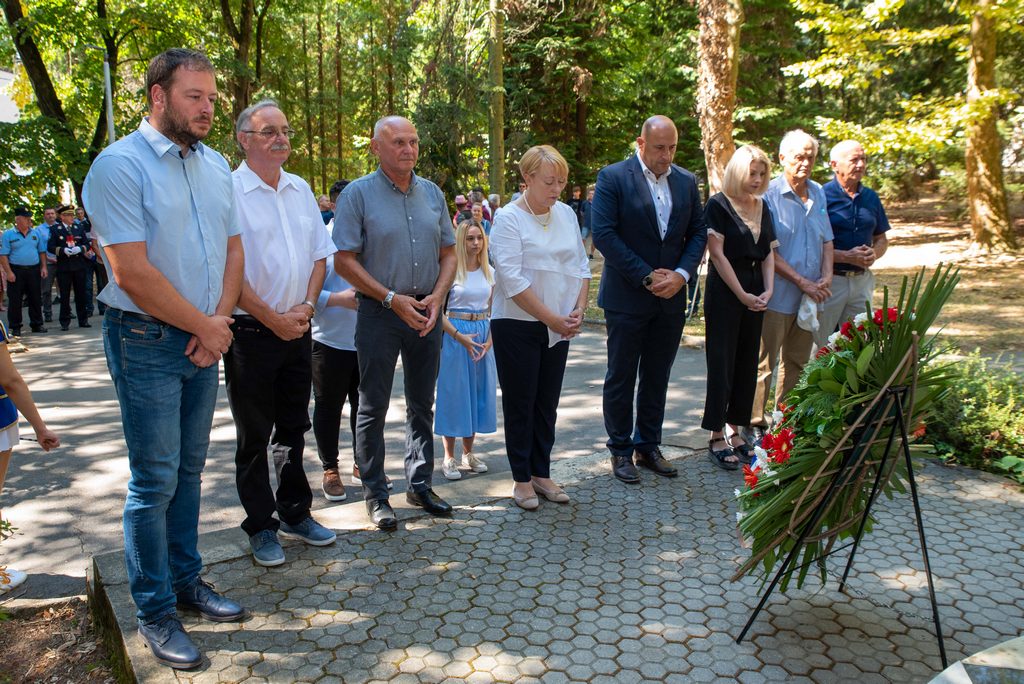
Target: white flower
739,516
860,319
766,471
913,315
761,454
777,417
736,492
833,339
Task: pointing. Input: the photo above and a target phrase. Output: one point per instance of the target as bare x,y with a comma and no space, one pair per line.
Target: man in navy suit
648,222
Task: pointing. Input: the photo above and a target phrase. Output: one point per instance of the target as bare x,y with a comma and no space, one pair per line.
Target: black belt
20,266
140,316
849,274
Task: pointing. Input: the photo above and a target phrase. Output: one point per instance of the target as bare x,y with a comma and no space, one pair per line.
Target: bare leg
449,447
467,445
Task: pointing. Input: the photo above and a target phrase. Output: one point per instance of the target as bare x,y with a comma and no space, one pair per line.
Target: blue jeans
167,410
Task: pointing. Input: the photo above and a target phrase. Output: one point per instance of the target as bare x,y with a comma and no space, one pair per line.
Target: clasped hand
206,347
666,283
757,302
418,314
477,350
568,326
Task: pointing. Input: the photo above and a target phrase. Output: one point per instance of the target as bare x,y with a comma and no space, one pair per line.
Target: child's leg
5,458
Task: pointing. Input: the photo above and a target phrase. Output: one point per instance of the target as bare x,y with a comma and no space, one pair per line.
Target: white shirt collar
649,173
160,143
250,181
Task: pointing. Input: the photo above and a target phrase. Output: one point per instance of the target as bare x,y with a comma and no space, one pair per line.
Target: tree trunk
991,227
338,98
310,164
320,100
718,46
496,120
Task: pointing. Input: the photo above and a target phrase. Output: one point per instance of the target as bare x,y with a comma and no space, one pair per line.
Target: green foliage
980,422
38,155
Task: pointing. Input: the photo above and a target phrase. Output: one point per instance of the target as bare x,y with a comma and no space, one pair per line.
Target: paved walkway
625,584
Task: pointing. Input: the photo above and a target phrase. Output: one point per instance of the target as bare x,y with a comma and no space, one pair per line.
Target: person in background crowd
335,371
174,279
326,208
462,210
741,238
494,201
859,224
476,197
541,284
803,270
268,370
586,231
519,193
23,260
477,218
576,204
466,381
69,242
16,398
649,225
397,248
82,221
46,281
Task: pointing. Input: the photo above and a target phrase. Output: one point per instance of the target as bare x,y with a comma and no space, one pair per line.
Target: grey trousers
381,337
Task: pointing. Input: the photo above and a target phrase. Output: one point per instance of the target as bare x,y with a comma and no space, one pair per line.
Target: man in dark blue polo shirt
859,225
23,258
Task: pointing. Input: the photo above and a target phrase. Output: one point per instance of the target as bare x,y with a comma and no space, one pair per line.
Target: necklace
543,224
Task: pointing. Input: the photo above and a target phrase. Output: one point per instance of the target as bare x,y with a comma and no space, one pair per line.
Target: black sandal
719,457
743,450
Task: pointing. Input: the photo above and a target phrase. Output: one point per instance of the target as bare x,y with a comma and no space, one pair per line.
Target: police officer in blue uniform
23,255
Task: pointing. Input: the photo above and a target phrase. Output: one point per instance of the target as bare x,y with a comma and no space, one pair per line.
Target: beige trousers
780,337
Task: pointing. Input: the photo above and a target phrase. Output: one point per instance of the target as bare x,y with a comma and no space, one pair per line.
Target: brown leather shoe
656,463
334,490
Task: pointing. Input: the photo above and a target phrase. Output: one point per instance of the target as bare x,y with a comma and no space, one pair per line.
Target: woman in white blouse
542,278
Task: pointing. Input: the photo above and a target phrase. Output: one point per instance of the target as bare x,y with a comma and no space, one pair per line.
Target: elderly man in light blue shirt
803,267
163,207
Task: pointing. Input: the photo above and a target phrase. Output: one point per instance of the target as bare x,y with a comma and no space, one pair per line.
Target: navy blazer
625,230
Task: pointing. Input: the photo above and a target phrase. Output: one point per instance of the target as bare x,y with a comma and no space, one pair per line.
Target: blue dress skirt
466,389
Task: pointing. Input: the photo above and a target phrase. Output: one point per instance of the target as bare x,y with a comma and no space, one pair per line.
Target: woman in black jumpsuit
741,237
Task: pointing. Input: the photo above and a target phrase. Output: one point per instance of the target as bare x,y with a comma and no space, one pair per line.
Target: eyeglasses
270,133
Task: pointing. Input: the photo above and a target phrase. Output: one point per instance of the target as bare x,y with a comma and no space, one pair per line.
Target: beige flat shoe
554,495
529,503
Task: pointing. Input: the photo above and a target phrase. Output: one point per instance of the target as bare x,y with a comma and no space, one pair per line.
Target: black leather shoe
429,501
656,463
169,643
201,598
65,327
381,514
623,468
38,329
87,324
48,318
16,332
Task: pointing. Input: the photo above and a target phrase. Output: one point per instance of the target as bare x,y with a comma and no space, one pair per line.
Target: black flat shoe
429,501
201,598
656,463
743,450
381,514
719,457
170,643
623,468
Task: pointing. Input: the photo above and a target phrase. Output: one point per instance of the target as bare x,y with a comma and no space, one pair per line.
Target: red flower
781,457
920,431
846,329
750,476
892,314
768,442
824,351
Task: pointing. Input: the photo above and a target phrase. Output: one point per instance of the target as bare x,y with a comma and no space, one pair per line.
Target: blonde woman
741,237
15,397
542,278
466,379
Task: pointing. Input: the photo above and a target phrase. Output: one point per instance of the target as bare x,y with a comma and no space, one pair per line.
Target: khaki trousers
780,336
850,296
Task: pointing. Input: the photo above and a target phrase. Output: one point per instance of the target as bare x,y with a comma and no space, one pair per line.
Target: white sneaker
474,463
11,578
451,469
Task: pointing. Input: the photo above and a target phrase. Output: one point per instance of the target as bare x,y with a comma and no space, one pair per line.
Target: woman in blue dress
467,380
14,397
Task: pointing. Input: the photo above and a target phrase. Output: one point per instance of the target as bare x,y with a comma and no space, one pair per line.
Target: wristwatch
312,309
387,299
648,279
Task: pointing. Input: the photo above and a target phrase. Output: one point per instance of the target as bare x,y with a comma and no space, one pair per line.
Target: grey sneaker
266,550
309,531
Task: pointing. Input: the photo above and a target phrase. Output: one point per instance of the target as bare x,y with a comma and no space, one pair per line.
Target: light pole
108,94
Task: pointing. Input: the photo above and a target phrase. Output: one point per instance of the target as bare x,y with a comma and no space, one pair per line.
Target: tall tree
246,39
990,214
496,91
718,64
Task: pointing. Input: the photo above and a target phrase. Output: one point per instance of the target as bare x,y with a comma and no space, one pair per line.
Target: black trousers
732,344
644,347
335,378
95,268
65,281
530,373
268,381
25,288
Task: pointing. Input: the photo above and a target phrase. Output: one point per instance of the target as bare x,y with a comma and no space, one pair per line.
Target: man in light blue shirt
46,281
162,206
803,266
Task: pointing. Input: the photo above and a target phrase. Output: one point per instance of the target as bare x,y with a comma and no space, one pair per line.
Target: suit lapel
643,191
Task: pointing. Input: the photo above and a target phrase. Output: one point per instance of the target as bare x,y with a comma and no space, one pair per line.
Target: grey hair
794,137
493,198
386,122
246,116
840,147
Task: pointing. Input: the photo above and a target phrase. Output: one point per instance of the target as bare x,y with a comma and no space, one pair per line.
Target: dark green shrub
980,420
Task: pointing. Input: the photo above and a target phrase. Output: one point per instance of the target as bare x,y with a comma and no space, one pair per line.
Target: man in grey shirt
396,247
